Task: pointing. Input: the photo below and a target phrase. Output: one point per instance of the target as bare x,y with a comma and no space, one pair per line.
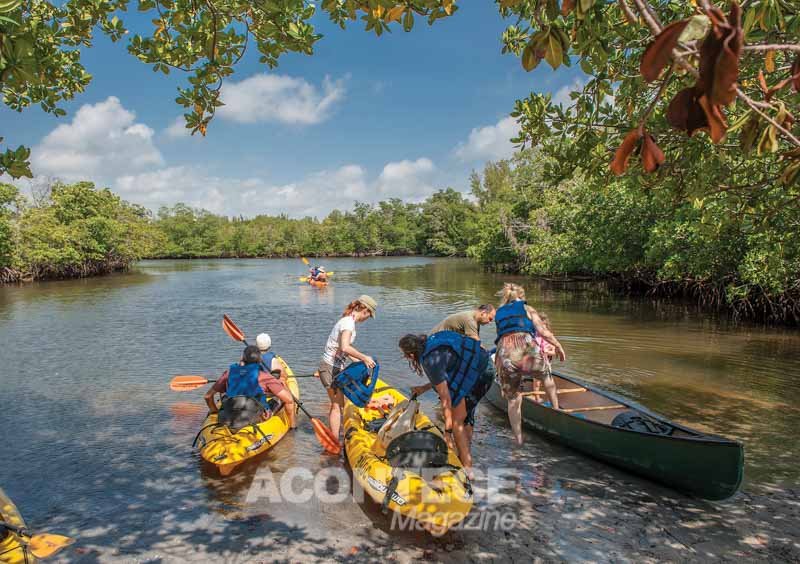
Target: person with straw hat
339,352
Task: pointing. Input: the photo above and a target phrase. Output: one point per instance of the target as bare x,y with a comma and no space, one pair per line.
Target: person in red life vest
246,378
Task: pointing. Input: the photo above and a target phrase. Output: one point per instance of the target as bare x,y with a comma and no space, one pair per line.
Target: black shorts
477,392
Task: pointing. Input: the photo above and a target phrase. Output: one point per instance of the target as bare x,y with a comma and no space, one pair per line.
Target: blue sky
365,118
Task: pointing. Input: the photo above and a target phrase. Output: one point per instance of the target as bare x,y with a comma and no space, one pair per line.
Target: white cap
263,342
321,268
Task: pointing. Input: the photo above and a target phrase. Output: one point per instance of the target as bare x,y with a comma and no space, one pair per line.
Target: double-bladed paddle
187,382
325,436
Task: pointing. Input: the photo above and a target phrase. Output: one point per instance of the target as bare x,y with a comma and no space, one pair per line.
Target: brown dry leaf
509,3
652,155
717,125
659,52
796,73
566,7
394,14
685,113
719,56
620,163
769,141
726,71
769,61
762,82
448,6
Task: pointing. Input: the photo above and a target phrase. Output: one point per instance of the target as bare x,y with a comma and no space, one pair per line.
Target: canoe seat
595,408
561,391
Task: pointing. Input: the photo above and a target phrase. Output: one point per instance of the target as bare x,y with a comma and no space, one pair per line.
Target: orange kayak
318,283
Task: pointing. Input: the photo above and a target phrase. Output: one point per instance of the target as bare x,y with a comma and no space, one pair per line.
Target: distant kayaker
339,351
461,373
518,353
246,378
467,322
318,274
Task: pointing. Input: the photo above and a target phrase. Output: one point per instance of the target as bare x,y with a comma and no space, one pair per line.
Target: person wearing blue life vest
519,353
246,378
460,371
318,274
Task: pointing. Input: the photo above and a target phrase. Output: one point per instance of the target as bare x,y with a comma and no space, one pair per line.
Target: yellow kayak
12,550
437,504
226,450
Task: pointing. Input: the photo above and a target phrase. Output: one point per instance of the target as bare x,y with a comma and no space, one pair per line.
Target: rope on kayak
200,432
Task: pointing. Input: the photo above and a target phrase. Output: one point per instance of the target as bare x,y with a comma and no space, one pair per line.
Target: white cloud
103,140
562,95
279,98
406,179
313,195
177,129
489,143
316,194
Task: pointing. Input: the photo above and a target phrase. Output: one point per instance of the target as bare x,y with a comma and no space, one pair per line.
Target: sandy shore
565,507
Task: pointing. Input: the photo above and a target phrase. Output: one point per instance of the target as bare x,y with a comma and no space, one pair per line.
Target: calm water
93,438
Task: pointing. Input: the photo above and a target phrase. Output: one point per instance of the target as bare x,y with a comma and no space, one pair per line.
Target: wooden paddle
324,435
42,545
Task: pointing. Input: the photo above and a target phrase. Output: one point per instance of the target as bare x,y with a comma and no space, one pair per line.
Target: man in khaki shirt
467,322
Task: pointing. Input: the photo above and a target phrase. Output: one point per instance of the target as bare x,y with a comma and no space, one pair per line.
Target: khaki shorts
327,373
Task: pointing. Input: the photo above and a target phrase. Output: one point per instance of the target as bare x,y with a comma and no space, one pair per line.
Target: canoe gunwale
630,404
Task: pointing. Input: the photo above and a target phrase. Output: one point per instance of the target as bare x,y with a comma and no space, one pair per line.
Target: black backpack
635,421
240,411
416,450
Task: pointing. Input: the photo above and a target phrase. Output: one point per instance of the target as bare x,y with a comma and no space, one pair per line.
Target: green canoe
706,466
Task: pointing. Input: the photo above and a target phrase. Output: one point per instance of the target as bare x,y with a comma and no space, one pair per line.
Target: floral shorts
518,356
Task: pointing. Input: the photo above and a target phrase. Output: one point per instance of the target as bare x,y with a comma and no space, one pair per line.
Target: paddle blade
303,279
231,329
45,545
305,260
325,437
185,383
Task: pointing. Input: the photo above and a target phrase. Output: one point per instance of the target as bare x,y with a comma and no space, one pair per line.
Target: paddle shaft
14,529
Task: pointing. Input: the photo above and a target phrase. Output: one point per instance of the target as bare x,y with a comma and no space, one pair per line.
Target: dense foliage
75,231
720,250
441,225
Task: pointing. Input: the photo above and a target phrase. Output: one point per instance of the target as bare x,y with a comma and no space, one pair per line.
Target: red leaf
620,163
652,155
659,52
685,113
567,6
796,73
716,120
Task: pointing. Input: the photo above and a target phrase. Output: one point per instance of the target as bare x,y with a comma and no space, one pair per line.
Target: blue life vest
243,381
472,361
513,318
267,359
353,381
314,272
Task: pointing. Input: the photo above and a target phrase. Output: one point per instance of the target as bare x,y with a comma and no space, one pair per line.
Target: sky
363,119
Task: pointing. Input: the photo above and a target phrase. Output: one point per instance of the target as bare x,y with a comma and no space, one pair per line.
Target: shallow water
96,443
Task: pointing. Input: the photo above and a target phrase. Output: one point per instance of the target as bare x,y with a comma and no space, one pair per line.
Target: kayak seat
417,450
238,412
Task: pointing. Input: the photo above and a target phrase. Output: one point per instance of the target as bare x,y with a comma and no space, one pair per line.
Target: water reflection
85,366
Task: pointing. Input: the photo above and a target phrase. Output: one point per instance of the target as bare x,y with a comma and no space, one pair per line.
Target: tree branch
768,47
648,18
755,107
